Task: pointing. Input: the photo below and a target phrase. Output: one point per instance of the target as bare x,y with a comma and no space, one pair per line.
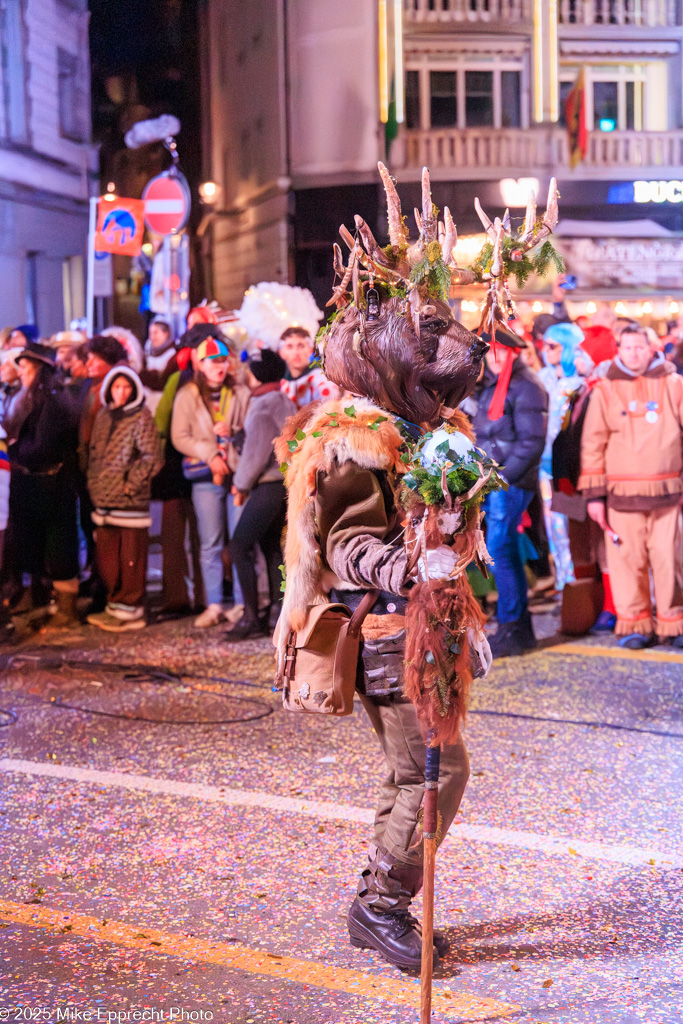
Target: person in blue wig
566,366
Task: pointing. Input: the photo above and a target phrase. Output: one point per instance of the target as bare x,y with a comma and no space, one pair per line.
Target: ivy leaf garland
333,421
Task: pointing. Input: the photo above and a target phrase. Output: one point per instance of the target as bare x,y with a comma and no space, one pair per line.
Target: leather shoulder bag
321,660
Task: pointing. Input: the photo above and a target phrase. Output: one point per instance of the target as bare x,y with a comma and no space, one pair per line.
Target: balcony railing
622,13
468,10
489,152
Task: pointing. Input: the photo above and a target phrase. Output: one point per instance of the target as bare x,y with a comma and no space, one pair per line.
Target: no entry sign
167,203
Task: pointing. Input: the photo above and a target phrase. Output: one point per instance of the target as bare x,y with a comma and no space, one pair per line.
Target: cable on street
140,673
137,674
576,721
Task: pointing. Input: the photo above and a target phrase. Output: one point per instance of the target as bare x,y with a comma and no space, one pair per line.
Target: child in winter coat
124,455
631,474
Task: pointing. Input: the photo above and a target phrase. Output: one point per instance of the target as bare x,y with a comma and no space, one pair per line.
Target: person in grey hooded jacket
258,484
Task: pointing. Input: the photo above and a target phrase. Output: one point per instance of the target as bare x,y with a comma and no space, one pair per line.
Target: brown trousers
649,540
122,563
178,517
402,791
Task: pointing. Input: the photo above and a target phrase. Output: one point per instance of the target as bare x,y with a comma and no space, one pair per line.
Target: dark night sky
127,35
152,46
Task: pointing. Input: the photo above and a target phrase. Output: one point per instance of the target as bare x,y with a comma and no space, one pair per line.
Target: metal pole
90,286
166,250
430,818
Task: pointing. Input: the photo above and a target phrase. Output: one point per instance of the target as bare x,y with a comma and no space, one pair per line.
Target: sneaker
605,624
637,641
235,613
112,624
211,616
670,641
126,612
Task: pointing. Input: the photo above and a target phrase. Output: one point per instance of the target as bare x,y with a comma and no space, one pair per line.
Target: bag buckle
290,657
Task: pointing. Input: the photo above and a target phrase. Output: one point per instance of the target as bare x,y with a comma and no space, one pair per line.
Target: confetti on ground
124,897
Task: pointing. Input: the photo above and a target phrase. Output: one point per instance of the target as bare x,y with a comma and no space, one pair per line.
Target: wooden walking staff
430,819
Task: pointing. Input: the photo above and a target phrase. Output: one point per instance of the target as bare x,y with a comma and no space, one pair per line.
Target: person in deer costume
395,346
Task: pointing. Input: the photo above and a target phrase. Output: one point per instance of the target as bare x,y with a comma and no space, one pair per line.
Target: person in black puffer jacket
43,536
511,426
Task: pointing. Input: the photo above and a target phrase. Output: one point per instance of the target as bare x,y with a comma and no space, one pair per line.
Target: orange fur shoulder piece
352,429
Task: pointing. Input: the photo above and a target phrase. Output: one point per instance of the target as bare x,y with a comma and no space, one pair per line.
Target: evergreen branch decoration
519,268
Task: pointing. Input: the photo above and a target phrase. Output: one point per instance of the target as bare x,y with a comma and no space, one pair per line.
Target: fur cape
320,434
442,616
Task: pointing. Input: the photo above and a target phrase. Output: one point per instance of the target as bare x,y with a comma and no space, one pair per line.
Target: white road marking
564,846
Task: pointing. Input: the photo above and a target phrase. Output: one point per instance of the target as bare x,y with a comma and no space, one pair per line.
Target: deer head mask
395,339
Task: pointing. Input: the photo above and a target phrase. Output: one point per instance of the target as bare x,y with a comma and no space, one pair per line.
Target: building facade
299,91
47,163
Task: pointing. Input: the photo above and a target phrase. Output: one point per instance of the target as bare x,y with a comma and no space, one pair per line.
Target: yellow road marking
460,1005
614,652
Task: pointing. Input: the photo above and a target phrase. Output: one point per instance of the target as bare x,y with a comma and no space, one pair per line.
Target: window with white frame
14,70
485,93
615,97
72,102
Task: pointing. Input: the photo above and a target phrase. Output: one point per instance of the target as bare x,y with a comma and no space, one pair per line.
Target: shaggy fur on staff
438,665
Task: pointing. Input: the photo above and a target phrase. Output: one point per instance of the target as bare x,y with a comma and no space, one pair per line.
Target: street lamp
209,192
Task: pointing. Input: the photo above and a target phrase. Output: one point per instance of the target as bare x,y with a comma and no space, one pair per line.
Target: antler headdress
424,269
505,254
393,336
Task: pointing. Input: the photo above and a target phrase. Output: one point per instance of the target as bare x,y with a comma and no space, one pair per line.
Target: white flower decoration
459,446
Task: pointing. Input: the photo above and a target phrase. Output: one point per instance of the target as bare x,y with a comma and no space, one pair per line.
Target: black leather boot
379,917
526,631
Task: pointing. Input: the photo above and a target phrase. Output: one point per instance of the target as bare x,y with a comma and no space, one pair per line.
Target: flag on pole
575,116
391,126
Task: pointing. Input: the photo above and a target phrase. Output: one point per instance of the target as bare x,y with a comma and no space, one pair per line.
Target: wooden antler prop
427,268
505,254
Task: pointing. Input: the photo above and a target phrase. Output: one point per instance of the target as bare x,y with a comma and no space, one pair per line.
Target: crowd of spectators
93,431
589,430
585,417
